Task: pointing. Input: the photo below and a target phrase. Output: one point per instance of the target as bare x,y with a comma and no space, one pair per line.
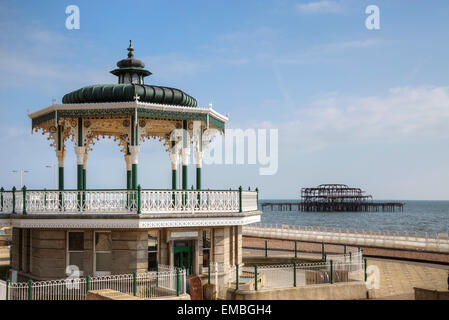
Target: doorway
183,255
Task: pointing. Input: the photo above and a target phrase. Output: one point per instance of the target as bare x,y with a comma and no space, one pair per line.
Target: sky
367,108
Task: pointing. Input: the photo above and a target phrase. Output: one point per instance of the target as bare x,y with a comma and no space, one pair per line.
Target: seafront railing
137,201
147,285
437,243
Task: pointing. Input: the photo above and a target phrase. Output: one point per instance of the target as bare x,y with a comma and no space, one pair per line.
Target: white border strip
128,223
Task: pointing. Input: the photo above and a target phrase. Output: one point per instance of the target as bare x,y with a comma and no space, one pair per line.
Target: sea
418,217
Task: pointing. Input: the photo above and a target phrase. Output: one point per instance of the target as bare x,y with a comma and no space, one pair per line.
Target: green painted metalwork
129,178
30,289
61,178
24,194
208,272
84,179
237,276
365,266
134,176
296,249
255,277
88,283
344,249
322,250
294,273
266,249
1,198
7,289
174,178
332,271
135,283
240,199
198,178
139,198
14,199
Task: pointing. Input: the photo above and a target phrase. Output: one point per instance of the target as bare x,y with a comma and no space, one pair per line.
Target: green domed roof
127,92
131,74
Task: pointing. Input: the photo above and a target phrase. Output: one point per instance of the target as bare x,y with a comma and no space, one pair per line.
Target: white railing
360,238
190,201
127,201
146,285
2,290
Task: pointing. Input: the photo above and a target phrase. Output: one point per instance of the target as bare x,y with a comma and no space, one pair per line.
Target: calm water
418,216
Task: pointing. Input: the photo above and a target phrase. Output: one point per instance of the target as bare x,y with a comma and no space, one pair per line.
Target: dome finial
130,49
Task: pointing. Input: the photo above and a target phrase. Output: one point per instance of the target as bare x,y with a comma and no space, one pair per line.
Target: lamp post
21,172
55,174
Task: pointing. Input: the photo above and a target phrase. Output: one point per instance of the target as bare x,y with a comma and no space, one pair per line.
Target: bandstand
104,232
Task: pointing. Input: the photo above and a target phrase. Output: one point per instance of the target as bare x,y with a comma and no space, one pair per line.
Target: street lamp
55,174
21,172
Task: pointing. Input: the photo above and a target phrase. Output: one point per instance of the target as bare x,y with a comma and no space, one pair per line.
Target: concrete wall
338,291
426,294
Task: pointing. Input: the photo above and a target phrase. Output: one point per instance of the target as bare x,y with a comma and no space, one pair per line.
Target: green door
183,256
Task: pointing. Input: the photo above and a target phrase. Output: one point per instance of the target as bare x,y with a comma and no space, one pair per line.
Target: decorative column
80,151
174,158
84,170
61,156
199,164
60,153
185,154
128,171
134,155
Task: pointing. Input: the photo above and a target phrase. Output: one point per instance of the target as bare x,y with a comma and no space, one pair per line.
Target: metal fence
336,268
154,284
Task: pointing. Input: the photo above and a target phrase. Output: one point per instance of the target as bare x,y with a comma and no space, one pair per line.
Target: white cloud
320,7
403,115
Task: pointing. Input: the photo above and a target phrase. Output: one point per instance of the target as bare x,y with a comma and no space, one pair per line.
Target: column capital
80,151
174,158
185,154
60,154
134,153
199,159
86,155
128,162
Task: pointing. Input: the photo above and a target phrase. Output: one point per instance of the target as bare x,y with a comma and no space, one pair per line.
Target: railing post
14,199
296,249
237,276
134,283
332,272
139,207
257,198
350,257
45,198
255,277
240,199
266,249
157,274
30,289
24,193
88,283
322,250
178,289
345,249
1,199
208,272
7,289
325,257
294,273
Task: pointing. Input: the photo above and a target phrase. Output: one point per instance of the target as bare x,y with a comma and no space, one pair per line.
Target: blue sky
368,108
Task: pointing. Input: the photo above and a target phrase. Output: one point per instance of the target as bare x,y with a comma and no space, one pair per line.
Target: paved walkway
397,278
